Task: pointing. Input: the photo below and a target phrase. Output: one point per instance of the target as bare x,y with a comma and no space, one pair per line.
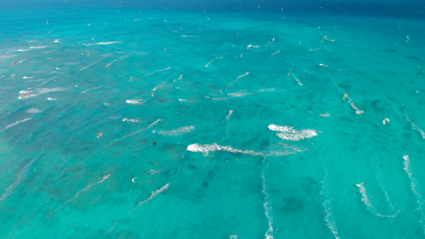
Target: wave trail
267,205
88,187
366,201
90,89
275,53
329,219
16,123
206,148
299,82
288,133
37,92
242,76
230,113
11,187
179,131
212,61
354,106
153,195
102,43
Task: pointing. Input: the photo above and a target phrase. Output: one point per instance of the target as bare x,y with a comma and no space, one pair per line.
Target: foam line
242,76
299,82
212,61
415,127
153,195
329,219
179,131
230,113
136,132
288,133
354,106
134,101
267,204
182,100
366,201
249,46
206,148
90,89
16,123
88,188
11,187
90,65
37,92
33,111
275,53
102,43
24,60
238,94
158,71
131,120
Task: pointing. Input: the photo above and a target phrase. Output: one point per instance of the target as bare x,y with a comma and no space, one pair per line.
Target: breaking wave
206,148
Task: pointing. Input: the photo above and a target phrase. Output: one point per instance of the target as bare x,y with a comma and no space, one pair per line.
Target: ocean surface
276,121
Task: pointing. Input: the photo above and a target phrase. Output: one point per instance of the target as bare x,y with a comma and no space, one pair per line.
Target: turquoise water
253,136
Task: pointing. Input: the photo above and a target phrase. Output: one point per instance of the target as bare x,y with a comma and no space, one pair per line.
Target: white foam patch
179,131
131,120
239,94
38,47
33,111
26,77
219,98
24,60
37,92
11,187
51,98
325,115
269,89
134,101
187,101
153,171
166,69
153,195
249,46
281,149
288,133
230,113
102,43
206,148
16,123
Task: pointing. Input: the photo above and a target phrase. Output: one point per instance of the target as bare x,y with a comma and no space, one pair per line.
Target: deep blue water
267,117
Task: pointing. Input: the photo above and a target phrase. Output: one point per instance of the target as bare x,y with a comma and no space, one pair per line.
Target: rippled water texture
213,123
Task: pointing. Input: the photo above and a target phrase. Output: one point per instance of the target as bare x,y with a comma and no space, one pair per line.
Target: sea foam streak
88,187
275,53
179,131
242,76
230,113
267,205
153,195
299,82
134,101
102,43
136,132
366,201
206,148
415,127
415,189
131,120
33,111
90,89
9,189
288,133
354,106
238,94
329,219
37,92
212,61
16,123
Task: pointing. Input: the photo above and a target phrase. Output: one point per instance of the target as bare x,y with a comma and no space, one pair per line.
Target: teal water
287,162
